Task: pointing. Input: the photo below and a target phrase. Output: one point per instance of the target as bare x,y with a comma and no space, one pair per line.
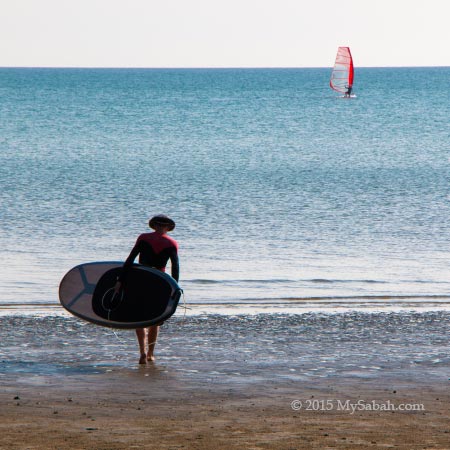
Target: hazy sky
226,33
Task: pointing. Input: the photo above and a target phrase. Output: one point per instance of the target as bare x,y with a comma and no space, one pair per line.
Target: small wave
325,280
352,298
281,281
314,281
238,281
203,281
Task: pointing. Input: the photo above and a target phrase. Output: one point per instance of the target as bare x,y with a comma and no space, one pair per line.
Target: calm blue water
279,188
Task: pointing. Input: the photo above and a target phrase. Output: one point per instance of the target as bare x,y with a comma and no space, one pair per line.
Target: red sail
342,75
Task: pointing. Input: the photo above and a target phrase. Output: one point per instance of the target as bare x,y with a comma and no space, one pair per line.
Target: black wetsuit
155,250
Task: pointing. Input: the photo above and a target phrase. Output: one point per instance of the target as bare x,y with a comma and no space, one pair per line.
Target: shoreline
228,382
292,306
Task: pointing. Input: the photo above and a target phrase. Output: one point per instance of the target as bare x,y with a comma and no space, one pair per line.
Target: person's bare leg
141,334
152,337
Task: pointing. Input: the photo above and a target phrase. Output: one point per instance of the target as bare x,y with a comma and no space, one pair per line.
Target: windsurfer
343,73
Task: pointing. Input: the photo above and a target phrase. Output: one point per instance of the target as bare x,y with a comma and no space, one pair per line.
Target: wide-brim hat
161,219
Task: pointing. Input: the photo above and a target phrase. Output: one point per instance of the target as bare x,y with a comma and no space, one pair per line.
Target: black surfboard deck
148,297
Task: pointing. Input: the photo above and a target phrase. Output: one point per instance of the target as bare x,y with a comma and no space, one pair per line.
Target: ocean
283,192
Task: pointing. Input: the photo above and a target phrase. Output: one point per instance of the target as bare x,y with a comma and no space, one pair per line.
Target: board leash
184,305
110,309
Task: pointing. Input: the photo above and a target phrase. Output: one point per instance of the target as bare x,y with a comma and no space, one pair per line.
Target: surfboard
148,297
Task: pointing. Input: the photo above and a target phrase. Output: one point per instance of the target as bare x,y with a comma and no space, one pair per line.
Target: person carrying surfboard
154,250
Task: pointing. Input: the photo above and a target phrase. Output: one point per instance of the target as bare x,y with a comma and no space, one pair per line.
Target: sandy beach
325,381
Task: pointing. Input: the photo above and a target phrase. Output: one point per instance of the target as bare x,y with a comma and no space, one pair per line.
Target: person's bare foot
143,359
150,358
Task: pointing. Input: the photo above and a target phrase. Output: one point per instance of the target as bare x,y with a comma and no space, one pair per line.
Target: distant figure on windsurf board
343,73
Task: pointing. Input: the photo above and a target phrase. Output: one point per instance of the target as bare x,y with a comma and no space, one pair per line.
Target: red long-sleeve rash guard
155,250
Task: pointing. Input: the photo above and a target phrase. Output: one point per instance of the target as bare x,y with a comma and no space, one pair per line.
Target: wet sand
229,382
